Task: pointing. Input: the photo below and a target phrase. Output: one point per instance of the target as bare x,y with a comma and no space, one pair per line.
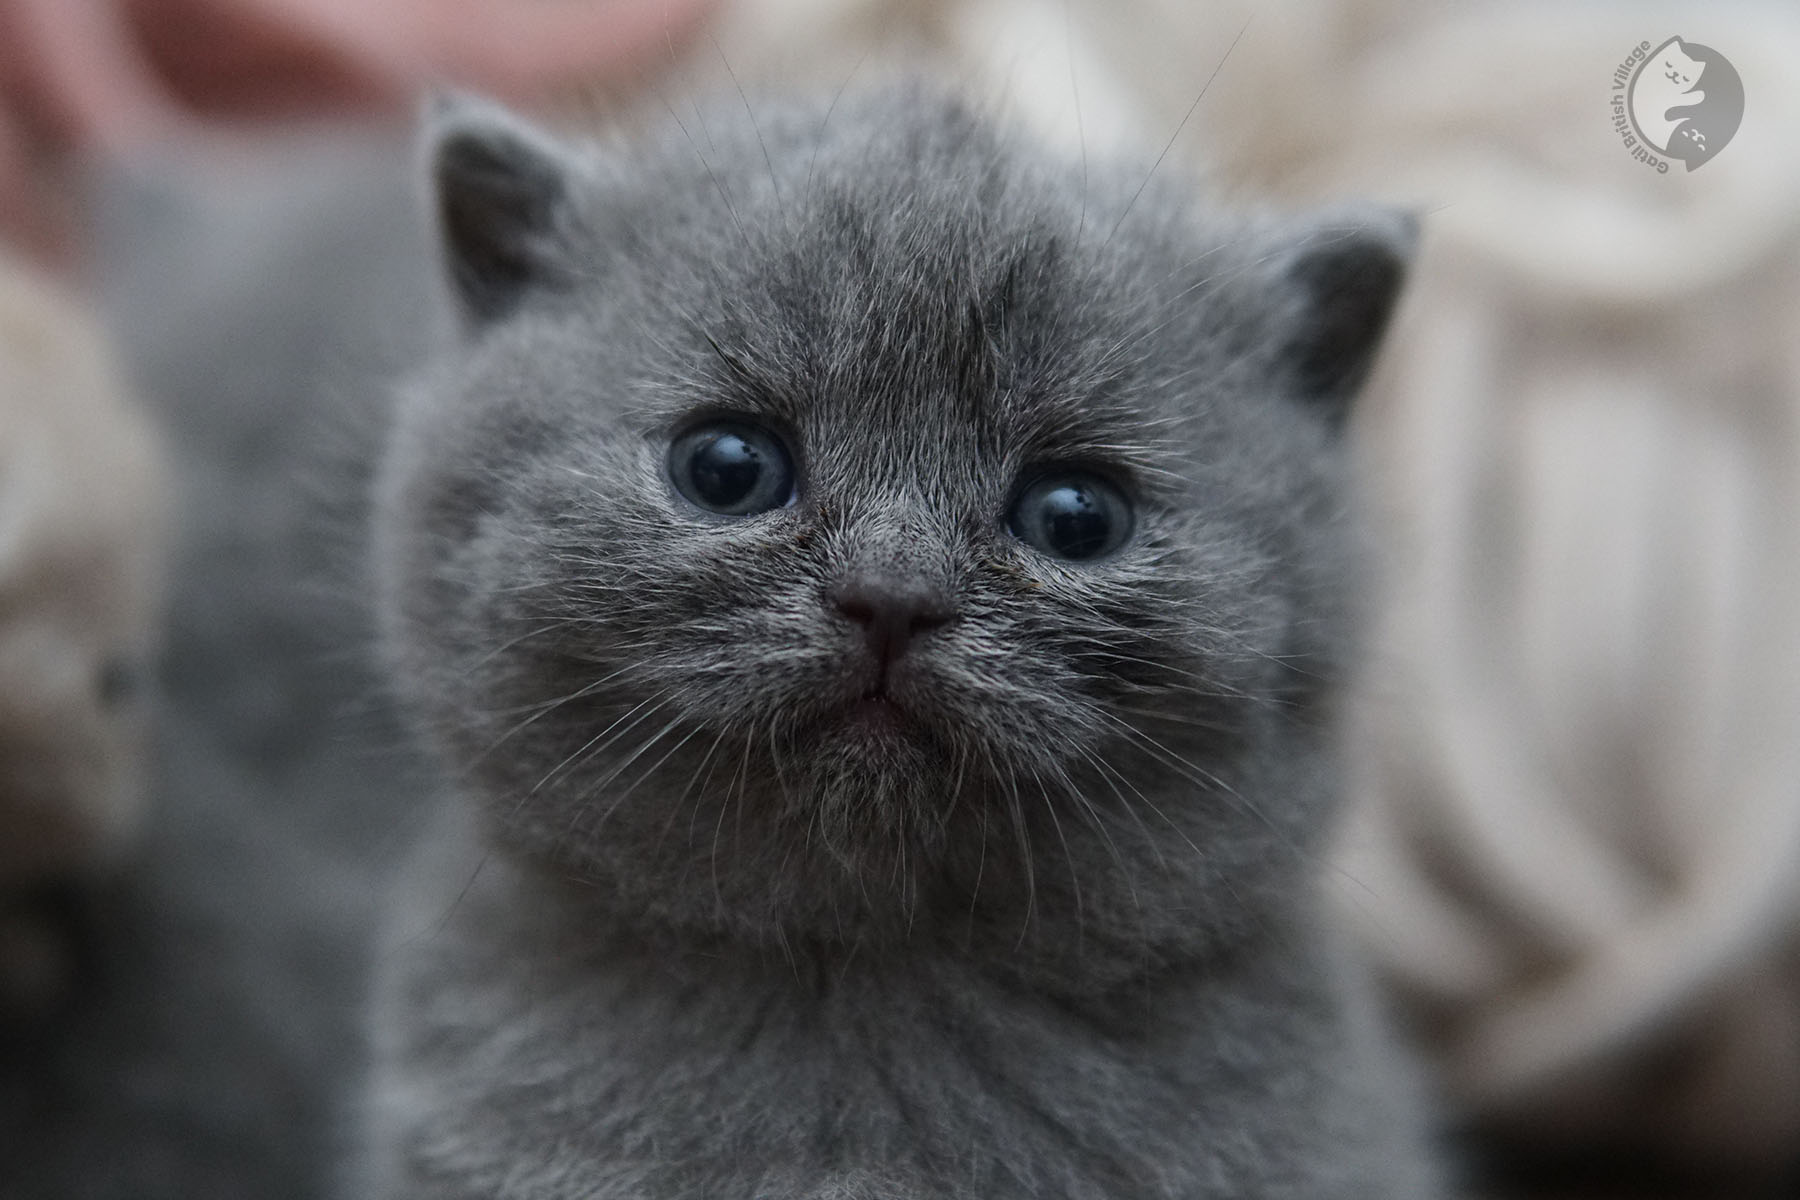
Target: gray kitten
879,591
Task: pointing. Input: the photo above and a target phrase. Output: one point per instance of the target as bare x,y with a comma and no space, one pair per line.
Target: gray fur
692,938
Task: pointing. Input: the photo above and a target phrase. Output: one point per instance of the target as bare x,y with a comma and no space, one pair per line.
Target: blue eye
732,467
1071,514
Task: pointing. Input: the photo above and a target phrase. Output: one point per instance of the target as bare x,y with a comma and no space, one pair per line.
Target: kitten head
847,524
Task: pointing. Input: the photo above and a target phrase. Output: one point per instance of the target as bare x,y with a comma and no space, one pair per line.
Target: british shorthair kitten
879,590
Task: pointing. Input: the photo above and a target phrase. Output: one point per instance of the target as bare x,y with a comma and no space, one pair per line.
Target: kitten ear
1344,272
501,190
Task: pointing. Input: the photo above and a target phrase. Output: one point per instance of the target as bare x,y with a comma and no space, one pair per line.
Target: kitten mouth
877,711
878,697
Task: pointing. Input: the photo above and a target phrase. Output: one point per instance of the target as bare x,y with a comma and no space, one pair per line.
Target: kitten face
827,530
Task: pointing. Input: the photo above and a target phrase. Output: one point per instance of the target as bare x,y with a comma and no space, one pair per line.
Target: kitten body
539,1050
860,846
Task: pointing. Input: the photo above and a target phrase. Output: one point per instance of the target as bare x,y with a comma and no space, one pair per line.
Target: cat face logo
1683,100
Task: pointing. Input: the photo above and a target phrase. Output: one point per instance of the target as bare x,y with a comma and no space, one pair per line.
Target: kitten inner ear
1347,272
501,189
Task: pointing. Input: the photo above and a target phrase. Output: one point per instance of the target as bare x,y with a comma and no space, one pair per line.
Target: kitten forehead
912,295
915,281
886,352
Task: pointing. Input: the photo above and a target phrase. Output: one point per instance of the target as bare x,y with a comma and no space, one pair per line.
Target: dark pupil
725,469
1074,523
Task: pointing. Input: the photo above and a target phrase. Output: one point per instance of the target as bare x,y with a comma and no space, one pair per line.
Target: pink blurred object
101,76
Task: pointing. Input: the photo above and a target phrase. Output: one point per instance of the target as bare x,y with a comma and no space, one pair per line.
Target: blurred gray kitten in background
881,590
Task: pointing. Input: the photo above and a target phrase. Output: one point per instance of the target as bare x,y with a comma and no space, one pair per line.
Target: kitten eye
1071,514
732,467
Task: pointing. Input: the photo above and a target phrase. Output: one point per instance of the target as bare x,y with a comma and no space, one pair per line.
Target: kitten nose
891,607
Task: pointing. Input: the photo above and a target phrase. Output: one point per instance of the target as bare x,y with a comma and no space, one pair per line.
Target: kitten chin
881,589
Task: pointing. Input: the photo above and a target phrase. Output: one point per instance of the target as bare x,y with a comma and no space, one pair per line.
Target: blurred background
1573,850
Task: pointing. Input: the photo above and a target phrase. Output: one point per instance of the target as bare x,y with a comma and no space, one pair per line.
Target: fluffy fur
699,934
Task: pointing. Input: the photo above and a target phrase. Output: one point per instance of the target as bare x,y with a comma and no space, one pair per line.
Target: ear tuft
501,191
1348,270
